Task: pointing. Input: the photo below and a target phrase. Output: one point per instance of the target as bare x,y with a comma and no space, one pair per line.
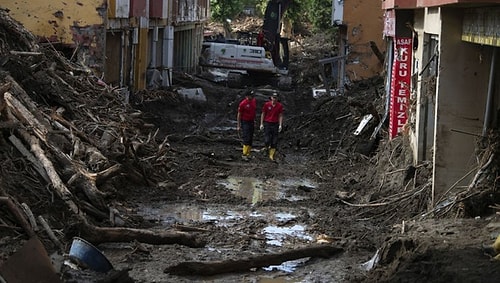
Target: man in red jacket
271,121
246,121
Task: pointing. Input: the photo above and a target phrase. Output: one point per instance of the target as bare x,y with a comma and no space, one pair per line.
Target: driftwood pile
77,135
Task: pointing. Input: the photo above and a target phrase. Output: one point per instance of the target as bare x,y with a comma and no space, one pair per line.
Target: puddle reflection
255,190
288,266
277,235
168,215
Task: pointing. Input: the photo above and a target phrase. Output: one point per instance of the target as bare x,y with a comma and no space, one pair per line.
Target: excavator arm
273,42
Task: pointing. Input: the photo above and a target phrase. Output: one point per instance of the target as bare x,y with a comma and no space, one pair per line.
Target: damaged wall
57,20
75,24
364,21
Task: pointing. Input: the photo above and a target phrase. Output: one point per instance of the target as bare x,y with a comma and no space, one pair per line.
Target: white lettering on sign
403,41
400,90
401,100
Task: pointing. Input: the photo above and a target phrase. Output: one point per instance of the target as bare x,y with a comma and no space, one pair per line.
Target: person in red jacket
246,121
271,121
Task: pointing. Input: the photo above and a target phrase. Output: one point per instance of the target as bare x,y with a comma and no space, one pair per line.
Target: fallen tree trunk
98,235
24,151
56,181
22,113
243,265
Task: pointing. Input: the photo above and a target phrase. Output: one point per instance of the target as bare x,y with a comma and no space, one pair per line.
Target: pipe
122,57
167,56
489,100
388,82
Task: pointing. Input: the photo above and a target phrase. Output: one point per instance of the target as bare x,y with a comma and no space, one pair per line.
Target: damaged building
361,44
443,82
130,44
360,23
440,61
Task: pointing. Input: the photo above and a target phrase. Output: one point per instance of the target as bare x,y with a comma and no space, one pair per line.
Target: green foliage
295,12
316,12
225,9
319,13
260,6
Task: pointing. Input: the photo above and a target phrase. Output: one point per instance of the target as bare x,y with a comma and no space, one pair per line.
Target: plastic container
85,253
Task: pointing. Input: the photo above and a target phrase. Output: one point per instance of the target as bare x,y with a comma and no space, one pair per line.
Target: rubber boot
249,150
496,245
244,154
272,151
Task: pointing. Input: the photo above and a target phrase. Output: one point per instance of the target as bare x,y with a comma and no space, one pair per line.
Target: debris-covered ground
158,184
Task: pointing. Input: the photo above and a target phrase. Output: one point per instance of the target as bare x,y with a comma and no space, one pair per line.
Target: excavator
260,60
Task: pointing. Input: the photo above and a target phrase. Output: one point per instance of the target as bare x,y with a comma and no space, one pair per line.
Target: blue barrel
89,255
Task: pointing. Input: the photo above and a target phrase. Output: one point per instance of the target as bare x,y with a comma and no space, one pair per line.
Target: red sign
400,85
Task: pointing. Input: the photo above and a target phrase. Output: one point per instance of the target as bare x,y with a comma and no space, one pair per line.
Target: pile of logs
76,132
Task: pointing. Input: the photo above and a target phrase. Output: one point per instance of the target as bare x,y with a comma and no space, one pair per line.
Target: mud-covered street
259,207
156,182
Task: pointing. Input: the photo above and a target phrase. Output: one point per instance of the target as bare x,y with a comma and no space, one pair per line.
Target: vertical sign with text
400,85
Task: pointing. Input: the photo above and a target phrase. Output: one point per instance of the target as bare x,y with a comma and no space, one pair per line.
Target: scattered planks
244,265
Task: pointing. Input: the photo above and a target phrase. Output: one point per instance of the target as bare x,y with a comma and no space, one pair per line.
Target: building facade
135,44
443,82
360,24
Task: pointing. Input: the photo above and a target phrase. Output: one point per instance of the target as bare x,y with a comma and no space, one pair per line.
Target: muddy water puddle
255,190
276,234
282,224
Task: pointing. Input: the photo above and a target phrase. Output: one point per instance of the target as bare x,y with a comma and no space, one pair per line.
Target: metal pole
489,100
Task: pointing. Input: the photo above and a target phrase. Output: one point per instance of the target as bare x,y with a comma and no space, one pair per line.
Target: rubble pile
61,125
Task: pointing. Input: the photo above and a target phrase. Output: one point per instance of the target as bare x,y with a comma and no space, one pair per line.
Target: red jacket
272,112
247,109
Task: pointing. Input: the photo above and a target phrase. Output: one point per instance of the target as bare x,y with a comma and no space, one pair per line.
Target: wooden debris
50,233
29,214
57,183
18,215
185,228
25,53
36,164
98,235
244,265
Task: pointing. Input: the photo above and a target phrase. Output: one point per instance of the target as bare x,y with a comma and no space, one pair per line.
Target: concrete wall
55,20
364,20
461,98
74,24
